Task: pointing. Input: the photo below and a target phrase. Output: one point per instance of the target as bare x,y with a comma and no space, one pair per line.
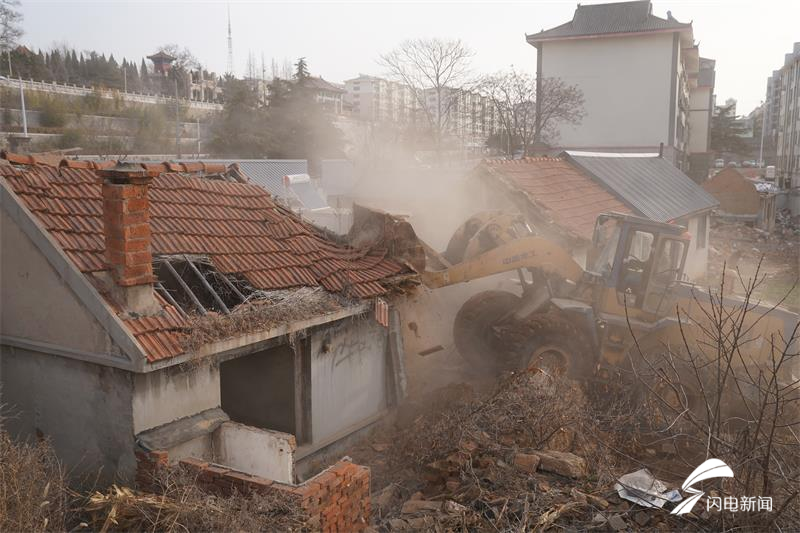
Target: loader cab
641,260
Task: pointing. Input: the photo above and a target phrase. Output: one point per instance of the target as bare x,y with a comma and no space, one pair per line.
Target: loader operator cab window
668,263
636,265
606,239
667,270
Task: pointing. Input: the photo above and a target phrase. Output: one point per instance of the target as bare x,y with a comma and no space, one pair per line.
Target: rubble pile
739,247
529,455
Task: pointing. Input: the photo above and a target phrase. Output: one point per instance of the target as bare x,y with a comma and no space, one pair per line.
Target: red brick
193,464
134,205
136,231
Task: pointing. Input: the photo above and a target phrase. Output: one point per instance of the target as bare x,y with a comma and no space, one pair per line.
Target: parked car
749,163
733,164
719,163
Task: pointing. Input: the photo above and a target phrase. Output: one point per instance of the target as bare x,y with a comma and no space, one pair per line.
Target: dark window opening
195,286
259,389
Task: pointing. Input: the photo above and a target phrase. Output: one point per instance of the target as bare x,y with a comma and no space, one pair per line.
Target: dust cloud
436,200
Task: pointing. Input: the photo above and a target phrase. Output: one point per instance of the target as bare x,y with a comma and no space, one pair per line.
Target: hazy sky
340,39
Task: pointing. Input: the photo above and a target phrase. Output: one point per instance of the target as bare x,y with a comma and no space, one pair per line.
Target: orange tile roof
566,195
237,226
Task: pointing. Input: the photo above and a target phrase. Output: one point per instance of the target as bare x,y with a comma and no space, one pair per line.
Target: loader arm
525,252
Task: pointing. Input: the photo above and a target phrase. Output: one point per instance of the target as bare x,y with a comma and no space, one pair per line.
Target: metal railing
82,90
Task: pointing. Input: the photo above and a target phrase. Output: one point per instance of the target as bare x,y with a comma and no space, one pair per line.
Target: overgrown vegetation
33,489
35,497
290,125
727,391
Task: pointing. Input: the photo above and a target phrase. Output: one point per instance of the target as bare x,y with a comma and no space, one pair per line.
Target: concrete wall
85,409
348,376
37,305
201,447
626,87
260,452
258,389
174,392
700,119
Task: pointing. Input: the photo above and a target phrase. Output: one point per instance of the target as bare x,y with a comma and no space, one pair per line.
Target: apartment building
467,118
376,99
643,81
783,118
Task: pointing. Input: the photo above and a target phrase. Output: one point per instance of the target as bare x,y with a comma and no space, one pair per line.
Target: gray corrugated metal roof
268,173
598,19
647,183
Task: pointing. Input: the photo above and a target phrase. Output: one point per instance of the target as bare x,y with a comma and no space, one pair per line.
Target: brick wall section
126,225
147,467
336,500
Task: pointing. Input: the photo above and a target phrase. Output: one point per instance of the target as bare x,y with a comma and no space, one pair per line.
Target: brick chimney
126,225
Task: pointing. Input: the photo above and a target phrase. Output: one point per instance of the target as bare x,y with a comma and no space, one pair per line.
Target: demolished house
743,199
162,308
562,196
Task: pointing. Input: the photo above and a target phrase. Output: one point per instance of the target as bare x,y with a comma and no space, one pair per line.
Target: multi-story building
701,108
783,118
466,116
772,110
329,95
644,83
376,99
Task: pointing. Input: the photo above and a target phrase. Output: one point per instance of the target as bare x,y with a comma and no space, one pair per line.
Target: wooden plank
185,287
209,288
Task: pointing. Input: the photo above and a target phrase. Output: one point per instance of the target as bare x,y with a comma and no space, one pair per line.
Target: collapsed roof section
246,243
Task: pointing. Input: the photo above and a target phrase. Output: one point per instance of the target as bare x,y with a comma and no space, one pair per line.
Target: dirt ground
741,247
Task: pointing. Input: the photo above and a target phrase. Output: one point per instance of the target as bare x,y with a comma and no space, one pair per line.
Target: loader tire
555,345
473,329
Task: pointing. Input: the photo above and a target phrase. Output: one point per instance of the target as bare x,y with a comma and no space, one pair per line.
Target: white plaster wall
348,376
36,303
171,393
626,87
697,258
699,119
261,452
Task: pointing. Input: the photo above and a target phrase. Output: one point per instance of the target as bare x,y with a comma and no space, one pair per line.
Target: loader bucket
373,228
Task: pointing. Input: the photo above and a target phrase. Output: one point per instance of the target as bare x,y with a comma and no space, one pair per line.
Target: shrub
53,113
33,491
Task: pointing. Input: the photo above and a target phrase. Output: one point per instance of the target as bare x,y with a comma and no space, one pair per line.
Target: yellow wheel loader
582,322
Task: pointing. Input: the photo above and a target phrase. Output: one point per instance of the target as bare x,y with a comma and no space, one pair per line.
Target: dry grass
35,497
33,491
181,506
265,311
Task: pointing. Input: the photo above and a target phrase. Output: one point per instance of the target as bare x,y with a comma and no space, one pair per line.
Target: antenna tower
230,46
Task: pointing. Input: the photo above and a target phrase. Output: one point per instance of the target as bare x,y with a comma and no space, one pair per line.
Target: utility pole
24,114
125,80
177,121
197,121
